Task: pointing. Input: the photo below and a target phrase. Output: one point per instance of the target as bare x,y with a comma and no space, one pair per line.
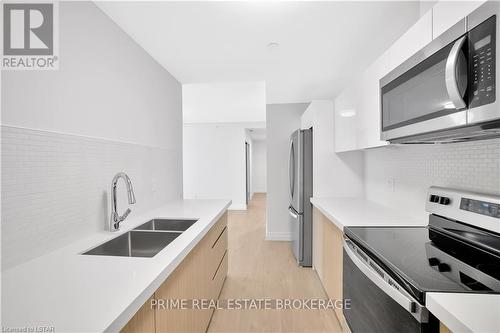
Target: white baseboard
279,236
238,207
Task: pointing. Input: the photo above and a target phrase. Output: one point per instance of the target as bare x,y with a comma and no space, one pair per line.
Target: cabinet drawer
217,251
214,233
220,276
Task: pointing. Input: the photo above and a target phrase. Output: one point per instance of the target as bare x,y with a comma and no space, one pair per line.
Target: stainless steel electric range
388,270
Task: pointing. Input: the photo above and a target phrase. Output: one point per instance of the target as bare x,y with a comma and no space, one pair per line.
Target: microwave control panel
482,63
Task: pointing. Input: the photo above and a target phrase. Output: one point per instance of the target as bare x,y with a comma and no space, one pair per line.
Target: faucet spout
115,218
130,191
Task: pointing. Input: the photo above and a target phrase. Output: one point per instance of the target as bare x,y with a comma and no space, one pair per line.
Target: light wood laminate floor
267,269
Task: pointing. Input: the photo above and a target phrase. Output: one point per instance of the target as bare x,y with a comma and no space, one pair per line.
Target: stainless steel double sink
145,240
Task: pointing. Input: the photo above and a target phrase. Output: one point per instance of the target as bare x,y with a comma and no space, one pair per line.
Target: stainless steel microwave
448,91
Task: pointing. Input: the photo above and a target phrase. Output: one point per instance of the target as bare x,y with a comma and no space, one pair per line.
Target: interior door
247,171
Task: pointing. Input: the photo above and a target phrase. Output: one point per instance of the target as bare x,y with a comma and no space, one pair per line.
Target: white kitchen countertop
478,313
350,212
85,293
466,312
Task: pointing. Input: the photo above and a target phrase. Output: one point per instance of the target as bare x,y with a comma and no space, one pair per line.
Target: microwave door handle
406,302
451,75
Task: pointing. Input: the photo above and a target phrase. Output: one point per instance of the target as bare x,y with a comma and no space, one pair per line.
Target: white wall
282,121
106,86
217,117
214,162
259,165
110,107
399,176
224,102
334,175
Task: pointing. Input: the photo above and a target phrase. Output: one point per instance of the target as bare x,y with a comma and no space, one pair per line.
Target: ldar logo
30,36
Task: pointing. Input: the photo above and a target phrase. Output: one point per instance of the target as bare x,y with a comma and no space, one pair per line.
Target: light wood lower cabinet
199,276
327,258
443,328
143,321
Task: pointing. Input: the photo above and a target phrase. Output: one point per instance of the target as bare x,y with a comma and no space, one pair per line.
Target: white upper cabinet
448,13
347,119
369,109
357,110
418,36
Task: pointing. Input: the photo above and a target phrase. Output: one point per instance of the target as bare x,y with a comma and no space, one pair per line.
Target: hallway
267,269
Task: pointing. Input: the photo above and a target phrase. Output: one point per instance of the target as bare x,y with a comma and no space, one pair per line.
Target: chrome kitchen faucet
115,218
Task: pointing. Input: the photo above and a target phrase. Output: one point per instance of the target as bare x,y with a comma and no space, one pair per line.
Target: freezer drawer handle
292,214
392,289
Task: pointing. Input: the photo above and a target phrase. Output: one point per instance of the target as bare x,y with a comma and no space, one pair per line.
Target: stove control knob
444,201
434,198
433,261
444,267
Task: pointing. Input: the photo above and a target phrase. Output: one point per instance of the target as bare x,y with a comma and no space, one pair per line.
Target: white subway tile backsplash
55,187
473,166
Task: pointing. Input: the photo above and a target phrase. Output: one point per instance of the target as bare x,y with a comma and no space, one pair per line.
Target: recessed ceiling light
273,45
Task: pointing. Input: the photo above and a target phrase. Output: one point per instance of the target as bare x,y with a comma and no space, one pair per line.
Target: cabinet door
143,321
318,243
189,281
418,36
448,13
346,117
369,111
331,259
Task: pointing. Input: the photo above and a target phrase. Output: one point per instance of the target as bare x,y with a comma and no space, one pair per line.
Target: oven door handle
451,78
409,304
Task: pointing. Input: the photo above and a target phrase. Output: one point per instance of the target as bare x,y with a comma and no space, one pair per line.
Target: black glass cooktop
439,258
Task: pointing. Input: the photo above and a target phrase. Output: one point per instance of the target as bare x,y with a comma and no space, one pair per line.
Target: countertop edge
132,309
481,320
330,217
445,316
360,212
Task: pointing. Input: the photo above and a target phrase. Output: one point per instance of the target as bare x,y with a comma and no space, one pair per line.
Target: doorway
247,171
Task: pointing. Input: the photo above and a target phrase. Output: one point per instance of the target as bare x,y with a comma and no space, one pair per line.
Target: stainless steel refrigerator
300,190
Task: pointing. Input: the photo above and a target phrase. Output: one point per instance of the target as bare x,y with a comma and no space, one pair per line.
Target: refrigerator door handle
292,214
291,170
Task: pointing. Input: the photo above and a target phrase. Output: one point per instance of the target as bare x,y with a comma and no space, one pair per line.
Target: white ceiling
322,45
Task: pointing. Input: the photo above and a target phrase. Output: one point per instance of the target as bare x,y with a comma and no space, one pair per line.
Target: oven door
428,96
377,302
